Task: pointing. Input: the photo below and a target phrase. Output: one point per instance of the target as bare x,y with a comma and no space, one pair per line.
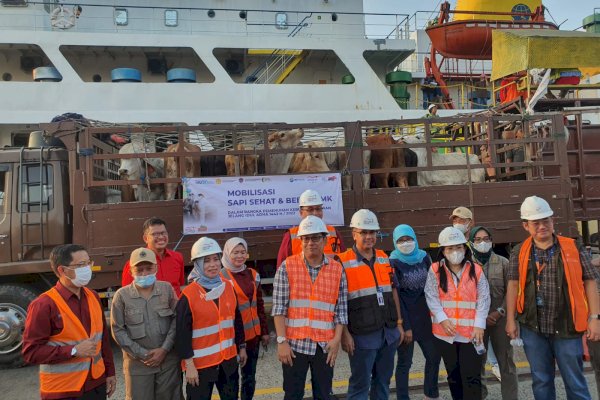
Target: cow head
286,139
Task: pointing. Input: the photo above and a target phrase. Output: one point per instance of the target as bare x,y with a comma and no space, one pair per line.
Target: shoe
496,372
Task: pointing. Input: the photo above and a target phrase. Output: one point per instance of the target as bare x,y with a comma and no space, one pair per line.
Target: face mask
456,257
461,227
145,280
482,247
406,247
83,275
216,292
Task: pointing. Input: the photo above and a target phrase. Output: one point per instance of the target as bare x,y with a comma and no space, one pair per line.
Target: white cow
280,163
145,169
445,177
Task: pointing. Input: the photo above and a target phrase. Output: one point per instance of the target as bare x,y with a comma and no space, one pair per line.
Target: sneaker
496,372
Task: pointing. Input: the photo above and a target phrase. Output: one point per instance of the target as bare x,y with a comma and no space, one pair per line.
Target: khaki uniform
140,325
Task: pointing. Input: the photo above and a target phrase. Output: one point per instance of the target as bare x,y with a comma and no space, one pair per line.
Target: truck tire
14,300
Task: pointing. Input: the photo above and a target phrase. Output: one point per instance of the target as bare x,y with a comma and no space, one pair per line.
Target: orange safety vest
70,375
460,303
573,272
213,334
366,314
312,304
332,246
247,308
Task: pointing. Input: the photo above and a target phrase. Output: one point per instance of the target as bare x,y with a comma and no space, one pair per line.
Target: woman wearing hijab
458,297
495,268
246,283
209,328
411,265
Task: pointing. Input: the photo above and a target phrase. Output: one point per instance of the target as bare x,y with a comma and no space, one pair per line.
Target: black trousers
294,377
463,366
228,387
98,393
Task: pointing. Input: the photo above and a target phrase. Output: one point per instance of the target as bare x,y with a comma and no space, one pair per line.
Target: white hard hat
431,106
310,198
311,225
205,246
450,236
534,208
364,219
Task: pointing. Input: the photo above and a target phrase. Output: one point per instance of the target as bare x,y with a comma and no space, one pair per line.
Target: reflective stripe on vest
460,302
70,375
311,308
573,272
332,245
248,308
361,282
213,334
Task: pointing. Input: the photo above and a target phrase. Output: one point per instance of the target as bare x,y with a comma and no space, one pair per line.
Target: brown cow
242,165
387,158
192,166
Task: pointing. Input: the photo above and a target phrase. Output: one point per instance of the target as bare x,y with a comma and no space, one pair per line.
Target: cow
445,177
144,169
191,165
342,160
242,165
387,158
312,161
280,163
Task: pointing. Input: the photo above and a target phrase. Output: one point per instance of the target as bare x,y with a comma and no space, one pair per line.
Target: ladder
26,182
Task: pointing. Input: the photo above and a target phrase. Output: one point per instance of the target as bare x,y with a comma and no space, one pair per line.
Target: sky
571,10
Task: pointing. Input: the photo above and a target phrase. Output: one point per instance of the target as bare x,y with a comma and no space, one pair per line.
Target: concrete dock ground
22,383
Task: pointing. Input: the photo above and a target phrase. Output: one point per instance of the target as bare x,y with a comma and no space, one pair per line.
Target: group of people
372,305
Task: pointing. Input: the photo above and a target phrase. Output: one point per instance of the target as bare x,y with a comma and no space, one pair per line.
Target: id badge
380,297
539,300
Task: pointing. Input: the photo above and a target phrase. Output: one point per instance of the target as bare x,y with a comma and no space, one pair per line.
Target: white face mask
482,247
456,257
461,227
83,275
216,292
406,247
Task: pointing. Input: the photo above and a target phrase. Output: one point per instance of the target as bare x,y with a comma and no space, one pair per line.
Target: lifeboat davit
468,35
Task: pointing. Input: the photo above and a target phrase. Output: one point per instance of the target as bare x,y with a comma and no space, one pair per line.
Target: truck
68,190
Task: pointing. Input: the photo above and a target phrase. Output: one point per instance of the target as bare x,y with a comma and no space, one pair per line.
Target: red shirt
44,320
170,269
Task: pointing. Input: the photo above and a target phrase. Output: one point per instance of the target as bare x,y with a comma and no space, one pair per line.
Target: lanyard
541,266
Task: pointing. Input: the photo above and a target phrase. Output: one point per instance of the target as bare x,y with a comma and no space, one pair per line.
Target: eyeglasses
159,234
540,222
486,239
314,239
312,209
366,233
83,264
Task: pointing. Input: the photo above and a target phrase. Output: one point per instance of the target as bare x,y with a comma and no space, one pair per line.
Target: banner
234,204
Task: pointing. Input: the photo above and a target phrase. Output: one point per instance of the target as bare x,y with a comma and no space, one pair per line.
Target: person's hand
285,353
593,330
243,357
264,339
401,330
111,385
86,348
477,335
155,357
191,375
448,327
332,349
493,318
408,336
511,328
348,343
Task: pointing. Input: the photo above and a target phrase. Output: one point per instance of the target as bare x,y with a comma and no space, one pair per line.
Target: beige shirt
139,325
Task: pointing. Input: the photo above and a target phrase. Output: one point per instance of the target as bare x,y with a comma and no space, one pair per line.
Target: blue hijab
199,276
417,254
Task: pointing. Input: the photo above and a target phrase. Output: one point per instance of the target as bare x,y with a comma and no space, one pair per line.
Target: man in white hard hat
309,312
374,322
432,111
310,204
462,219
553,293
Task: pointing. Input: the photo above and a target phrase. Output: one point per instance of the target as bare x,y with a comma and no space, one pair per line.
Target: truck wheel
14,300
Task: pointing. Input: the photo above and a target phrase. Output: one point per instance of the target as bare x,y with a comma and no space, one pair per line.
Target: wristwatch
242,346
502,311
73,352
281,339
594,316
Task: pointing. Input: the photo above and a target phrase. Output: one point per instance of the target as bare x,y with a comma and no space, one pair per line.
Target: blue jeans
371,373
542,351
432,368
